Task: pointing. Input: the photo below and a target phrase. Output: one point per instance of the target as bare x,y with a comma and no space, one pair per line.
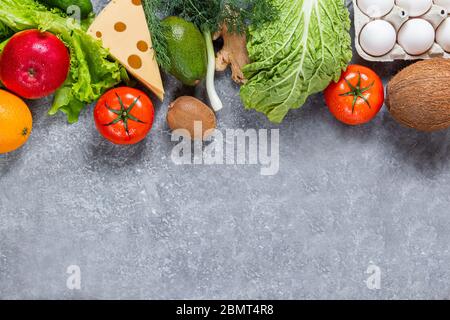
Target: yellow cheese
123,29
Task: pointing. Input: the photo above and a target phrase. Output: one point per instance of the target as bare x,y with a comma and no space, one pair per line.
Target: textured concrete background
141,227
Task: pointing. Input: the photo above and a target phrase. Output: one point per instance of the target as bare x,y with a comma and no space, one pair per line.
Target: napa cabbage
296,55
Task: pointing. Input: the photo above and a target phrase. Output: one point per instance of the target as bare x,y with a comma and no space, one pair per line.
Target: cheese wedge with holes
122,27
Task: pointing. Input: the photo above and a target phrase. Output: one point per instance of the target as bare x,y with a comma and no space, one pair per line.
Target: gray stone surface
141,227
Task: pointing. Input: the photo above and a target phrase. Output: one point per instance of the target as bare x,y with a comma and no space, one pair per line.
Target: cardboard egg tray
397,17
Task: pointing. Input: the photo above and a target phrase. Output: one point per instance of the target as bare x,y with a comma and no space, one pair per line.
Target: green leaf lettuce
5,32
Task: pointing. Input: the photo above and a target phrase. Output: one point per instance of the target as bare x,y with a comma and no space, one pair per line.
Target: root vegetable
234,53
419,96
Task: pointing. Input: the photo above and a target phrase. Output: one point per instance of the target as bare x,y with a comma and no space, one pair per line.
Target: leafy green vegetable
296,55
151,8
91,72
211,14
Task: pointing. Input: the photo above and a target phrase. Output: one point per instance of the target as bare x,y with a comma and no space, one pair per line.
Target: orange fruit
16,122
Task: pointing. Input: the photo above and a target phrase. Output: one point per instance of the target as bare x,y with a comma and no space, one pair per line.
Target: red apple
34,64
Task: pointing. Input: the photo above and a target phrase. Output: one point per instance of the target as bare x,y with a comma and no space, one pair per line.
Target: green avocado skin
85,5
186,49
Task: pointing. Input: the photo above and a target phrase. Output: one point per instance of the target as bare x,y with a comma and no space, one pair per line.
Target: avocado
84,5
186,50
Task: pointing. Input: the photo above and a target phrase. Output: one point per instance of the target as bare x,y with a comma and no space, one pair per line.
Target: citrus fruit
15,122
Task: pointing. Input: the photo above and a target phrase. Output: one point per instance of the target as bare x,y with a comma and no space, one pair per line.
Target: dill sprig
207,15
151,10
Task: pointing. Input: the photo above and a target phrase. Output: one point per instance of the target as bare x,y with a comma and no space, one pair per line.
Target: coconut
186,111
419,95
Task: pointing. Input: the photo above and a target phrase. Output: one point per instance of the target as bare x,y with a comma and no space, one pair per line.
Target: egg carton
397,17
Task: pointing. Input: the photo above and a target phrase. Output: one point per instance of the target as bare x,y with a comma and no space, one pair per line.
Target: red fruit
357,97
34,64
124,115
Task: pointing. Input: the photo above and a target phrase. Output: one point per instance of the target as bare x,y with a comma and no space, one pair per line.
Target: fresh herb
209,16
5,32
151,8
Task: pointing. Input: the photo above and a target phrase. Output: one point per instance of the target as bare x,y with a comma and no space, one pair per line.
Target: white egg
443,3
375,9
415,8
416,36
443,35
377,38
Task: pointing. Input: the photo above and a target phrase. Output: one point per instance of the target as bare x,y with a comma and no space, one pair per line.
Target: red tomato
124,115
357,97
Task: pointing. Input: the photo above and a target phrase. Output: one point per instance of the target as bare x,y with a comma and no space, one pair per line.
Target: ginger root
234,53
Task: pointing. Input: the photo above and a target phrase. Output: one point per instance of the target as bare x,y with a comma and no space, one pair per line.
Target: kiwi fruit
185,111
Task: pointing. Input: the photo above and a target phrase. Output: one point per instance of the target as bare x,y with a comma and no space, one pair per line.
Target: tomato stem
124,114
357,92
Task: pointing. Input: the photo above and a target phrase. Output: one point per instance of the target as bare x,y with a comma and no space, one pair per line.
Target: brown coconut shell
419,95
185,111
